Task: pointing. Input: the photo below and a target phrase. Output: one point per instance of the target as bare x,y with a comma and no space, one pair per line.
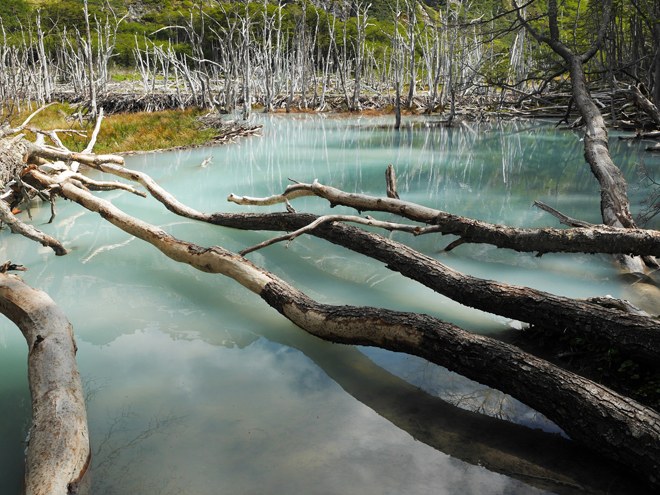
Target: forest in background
218,55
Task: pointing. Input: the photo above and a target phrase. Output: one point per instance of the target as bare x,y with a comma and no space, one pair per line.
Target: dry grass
125,132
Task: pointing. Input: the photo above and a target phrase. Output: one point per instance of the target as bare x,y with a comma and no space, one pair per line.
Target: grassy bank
140,131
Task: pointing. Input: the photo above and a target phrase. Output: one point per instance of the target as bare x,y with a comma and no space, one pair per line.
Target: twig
331,218
571,222
8,266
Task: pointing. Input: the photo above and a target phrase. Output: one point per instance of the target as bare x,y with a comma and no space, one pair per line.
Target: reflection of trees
119,458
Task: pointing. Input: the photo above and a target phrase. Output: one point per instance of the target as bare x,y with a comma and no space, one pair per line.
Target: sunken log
589,413
58,453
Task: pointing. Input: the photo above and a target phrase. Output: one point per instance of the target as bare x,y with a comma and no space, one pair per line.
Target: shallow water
195,386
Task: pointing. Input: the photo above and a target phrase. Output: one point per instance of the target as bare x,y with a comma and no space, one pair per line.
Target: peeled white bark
58,453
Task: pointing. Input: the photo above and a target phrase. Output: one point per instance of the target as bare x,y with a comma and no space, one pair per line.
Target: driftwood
58,453
613,424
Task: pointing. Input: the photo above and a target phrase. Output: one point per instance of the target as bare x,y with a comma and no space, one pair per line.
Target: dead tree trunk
592,239
90,63
58,452
614,205
642,102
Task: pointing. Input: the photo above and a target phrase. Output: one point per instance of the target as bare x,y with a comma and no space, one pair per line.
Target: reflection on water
196,386
264,418
460,391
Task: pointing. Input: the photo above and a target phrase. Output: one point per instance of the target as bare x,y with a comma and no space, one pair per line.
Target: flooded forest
329,247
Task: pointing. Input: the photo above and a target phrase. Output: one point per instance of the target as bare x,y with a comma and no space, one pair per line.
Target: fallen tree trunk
596,239
58,453
638,337
590,240
544,460
642,102
615,425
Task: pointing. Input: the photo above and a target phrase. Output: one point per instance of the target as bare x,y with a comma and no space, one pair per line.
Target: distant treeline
439,48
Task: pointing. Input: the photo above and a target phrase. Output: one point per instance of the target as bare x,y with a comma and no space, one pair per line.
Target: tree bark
544,460
633,335
390,179
647,106
18,227
58,452
90,63
595,239
613,424
638,337
614,204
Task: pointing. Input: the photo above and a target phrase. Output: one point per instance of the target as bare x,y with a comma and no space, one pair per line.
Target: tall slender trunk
90,65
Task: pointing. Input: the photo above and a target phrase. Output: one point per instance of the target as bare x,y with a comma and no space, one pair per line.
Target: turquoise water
195,386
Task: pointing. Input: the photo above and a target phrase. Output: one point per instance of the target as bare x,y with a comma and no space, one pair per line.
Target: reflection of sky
263,419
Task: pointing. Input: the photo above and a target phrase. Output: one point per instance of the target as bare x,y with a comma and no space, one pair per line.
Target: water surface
195,386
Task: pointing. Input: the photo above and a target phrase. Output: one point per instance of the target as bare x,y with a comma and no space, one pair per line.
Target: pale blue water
196,386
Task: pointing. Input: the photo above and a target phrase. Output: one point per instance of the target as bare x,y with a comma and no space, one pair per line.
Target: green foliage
14,13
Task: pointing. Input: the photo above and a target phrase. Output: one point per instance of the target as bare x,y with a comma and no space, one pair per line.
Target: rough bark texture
614,204
58,452
588,412
634,335
11,160
537,458
596,239
390,180
647,106
615,425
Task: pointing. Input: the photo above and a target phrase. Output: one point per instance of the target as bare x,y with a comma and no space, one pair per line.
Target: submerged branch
19,227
